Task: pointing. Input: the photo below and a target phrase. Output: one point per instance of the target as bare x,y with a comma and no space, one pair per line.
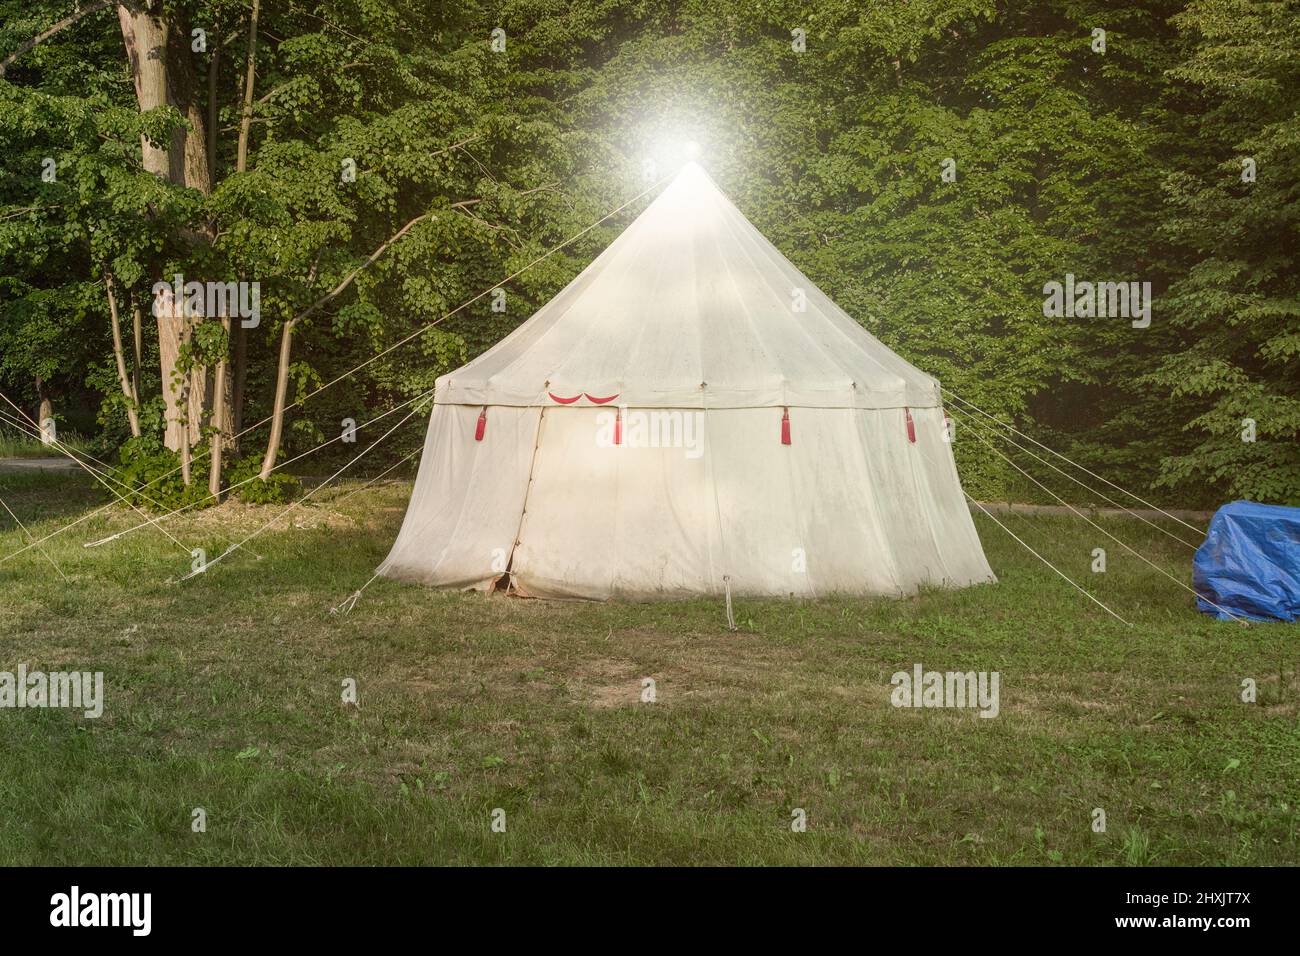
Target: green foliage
242,479
1237,305
1122,165
149,477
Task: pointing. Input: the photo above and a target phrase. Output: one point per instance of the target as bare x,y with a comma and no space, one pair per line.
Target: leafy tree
931,164
1234,217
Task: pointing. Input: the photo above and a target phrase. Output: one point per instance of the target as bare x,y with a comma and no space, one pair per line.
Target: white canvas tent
690,413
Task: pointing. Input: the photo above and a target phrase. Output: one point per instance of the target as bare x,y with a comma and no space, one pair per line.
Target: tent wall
850,506
461,524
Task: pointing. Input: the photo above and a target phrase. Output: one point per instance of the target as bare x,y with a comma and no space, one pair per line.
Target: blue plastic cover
1250,563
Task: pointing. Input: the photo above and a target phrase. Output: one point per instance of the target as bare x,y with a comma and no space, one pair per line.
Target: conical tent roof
691,307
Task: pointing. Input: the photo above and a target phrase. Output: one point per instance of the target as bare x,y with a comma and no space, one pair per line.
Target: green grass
15,444
225,693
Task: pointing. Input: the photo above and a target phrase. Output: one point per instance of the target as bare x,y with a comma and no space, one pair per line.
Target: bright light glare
663,144
674,150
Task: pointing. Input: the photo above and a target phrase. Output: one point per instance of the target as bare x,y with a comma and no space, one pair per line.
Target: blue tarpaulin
1250,563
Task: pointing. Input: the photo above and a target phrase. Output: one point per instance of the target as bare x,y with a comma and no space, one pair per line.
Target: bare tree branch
347,281
63,24
286,345
241,151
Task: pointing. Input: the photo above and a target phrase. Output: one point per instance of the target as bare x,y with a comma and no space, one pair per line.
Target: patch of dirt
616,695
606,683
1089,704
232,513
38,464
1281,710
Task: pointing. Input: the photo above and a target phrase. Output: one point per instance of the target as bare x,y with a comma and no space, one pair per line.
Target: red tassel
785,426
911,426
618,426
482,424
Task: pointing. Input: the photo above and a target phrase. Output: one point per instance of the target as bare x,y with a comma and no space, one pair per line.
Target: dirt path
37,464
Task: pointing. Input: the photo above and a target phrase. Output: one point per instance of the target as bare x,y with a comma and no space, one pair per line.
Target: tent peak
692,169
692,180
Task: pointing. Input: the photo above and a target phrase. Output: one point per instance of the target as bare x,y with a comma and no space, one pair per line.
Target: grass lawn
14,444
224,692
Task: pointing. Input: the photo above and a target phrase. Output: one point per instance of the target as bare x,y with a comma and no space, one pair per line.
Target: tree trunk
185,392
137,334
214,76
169,350
183,402
202,399
219,421
281,392
144,33
240,377
132,399
45,413
157,46
246,119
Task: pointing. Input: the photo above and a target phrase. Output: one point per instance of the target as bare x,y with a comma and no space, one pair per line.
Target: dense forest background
384,161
